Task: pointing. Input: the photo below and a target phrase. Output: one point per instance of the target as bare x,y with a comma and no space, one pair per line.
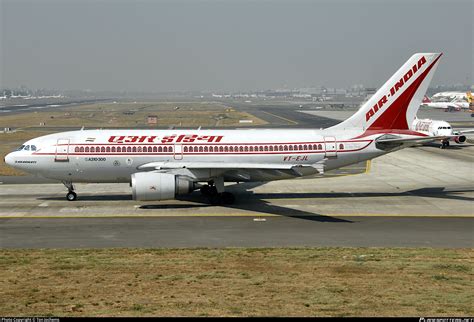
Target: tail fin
395,104
426,99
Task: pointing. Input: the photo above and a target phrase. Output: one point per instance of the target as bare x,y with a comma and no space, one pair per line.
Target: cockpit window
27,148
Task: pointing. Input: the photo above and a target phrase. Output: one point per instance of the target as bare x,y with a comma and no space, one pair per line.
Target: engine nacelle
460,139
159,186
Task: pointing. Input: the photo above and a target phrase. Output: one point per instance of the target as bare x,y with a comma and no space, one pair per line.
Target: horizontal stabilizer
391,141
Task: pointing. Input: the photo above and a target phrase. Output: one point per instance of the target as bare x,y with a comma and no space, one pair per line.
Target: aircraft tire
71,196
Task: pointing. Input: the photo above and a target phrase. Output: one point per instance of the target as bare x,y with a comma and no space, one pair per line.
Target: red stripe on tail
394,117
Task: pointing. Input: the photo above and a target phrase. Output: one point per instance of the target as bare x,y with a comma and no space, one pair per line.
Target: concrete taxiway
414,197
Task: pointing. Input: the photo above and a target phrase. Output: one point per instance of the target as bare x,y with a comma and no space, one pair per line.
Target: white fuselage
432,127
456,105
114,155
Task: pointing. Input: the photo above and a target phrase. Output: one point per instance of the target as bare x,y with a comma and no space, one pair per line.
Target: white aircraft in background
447,96
163,164
439,128
449,103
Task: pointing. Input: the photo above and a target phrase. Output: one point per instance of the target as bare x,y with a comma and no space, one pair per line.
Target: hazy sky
227,45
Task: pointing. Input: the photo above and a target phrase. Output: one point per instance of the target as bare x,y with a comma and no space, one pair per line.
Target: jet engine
460,139
159,186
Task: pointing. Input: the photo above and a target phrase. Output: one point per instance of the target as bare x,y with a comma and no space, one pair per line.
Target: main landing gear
71,195
444,144
214,191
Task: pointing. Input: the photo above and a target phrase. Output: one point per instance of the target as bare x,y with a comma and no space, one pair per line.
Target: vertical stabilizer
395,104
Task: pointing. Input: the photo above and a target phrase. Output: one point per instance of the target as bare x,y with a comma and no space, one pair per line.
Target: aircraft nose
8,159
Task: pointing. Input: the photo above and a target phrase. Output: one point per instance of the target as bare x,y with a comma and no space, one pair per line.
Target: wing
243,171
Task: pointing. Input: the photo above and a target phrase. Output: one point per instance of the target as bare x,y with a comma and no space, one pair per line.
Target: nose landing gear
71,195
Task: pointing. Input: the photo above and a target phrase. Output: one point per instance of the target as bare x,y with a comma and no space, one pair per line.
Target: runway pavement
236,232
414,197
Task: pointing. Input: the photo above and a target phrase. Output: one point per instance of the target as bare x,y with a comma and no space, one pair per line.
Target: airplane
165,164
439,128
454,103
447,96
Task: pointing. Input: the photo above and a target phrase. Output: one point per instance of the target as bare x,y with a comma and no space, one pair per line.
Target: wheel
71,196
227,198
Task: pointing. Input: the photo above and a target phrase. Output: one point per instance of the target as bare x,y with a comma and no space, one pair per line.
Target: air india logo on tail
395,88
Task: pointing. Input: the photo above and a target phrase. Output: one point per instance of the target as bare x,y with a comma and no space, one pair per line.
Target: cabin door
178,152
62,150
330,147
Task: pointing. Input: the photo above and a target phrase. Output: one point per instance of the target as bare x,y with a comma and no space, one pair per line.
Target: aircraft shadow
257,202
83,197
432,192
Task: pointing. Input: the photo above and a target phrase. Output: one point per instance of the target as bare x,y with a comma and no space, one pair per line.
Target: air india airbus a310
163,164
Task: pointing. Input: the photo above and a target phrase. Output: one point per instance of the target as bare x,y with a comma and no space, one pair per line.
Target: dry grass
237,282
112,115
